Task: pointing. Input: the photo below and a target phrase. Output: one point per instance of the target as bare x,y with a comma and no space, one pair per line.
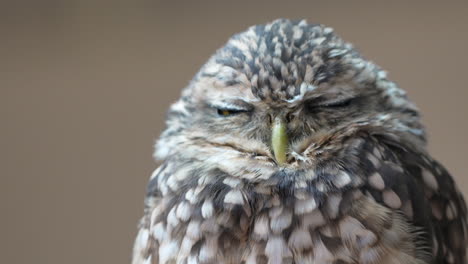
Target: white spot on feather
172,183
327,30
234,197
304,88
172,219
168,251
159,232
142,238
373,160
193,230
376,181
191,197
430,180
297,33
181,174
207,209
184,210
283,221
342,179
300,239
276,249
305,206
261,226
232,182
318,41
155,172
391,199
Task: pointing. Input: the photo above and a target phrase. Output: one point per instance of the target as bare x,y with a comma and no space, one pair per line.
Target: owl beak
279,140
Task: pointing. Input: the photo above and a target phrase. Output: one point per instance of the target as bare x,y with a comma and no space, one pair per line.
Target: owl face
280,95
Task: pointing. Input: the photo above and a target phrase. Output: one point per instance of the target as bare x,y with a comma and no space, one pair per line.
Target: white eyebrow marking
238,104
304,89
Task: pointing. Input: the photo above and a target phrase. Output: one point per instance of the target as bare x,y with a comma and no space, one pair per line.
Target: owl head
283,95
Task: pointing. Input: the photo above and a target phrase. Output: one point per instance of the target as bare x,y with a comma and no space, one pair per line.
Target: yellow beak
279,140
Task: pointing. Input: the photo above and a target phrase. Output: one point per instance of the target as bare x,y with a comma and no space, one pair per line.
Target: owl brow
324,96
238,105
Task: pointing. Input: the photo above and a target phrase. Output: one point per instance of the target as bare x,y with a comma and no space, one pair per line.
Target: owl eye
331,104
336,104
230,108
229,112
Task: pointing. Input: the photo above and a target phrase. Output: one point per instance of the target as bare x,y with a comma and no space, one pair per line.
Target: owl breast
357,213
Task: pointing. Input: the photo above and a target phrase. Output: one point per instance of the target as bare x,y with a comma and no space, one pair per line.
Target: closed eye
229,108
336,104
229,112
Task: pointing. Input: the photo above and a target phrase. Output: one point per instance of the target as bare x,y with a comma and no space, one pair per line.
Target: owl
289,147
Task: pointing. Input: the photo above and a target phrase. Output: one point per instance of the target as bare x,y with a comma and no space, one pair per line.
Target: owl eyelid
230,112
234,108
335,103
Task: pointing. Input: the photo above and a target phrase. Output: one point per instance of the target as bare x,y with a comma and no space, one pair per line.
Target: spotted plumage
355,183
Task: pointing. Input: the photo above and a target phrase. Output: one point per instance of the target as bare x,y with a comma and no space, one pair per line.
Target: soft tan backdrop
84,88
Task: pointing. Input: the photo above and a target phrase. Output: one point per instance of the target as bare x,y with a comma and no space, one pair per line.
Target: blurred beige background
85,86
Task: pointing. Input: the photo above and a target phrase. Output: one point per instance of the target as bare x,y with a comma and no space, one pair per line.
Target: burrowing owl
289,147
